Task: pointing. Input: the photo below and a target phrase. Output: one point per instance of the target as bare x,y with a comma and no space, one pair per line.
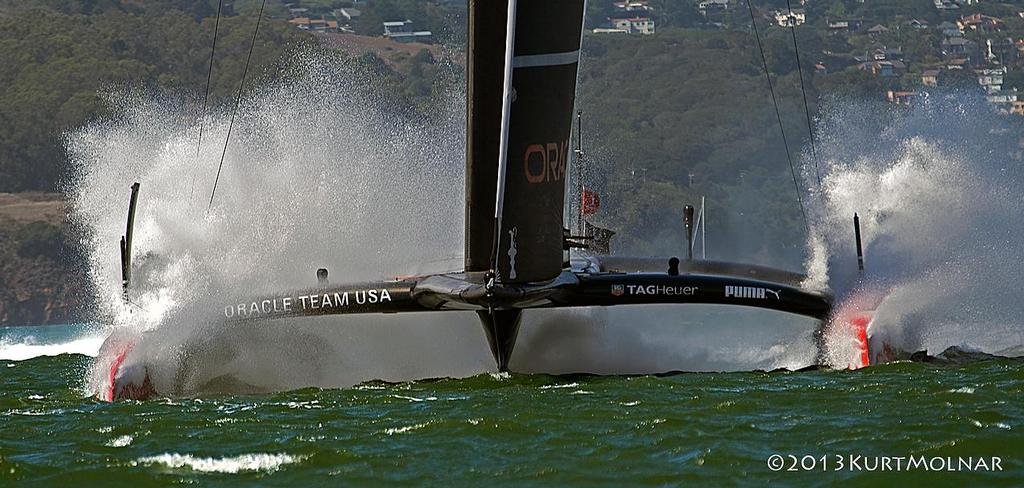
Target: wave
267,463
937,189
47,341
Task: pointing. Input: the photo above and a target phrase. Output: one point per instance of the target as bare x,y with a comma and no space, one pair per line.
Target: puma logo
751,292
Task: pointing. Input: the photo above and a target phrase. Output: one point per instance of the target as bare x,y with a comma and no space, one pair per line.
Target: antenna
126,244
860,250
688,223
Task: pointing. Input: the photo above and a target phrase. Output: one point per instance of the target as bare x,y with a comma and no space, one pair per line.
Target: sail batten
540,60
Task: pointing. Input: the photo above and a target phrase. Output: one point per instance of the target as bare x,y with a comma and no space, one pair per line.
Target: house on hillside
315,25
949,29
397,27
946,5
634,25
883,68
918,23
885,54
712,6
1017,107
349,14
900,97
790,18
1003,100
957,63
877,30
632,6
958,46
979,23
1000,50
852,25
931,77
401,31
991,79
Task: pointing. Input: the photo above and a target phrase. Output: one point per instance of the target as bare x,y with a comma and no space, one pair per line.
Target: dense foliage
58,60
670,117
684,114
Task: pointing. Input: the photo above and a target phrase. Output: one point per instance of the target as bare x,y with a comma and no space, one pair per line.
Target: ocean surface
514,430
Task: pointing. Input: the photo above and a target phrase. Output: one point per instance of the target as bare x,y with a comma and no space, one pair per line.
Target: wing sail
545,61
519,124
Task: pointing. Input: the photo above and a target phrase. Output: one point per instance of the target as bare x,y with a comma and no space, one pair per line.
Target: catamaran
523,63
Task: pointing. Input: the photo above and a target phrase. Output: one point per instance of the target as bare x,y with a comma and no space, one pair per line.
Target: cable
803,91
778,115
206,96
238,100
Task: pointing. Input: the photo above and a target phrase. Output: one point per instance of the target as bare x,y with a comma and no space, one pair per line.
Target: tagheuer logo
618,290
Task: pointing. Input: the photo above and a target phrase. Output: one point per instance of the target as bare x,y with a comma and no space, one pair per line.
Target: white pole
703,231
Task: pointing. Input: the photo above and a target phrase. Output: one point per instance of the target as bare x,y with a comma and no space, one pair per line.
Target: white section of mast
703,231
506,111
696,227
702,226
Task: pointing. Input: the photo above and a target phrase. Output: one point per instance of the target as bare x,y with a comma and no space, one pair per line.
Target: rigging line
206,96
778,115
238,100
803,91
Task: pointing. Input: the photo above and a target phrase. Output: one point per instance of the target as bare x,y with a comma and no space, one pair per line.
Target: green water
517,430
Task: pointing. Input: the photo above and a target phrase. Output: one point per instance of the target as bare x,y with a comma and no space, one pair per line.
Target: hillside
42,277
61,56
670,117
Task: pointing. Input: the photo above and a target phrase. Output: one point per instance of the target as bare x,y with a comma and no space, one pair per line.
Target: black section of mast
485,73
514,220
126,243
542,94
860,250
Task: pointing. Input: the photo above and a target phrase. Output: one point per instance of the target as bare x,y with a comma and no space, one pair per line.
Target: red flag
591,202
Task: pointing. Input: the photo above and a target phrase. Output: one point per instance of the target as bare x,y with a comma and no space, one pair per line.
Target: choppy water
515,429
318,150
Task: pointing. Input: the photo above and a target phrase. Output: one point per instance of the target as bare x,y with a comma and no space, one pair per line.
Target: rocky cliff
42,273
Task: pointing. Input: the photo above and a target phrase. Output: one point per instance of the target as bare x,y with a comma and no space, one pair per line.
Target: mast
519,137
